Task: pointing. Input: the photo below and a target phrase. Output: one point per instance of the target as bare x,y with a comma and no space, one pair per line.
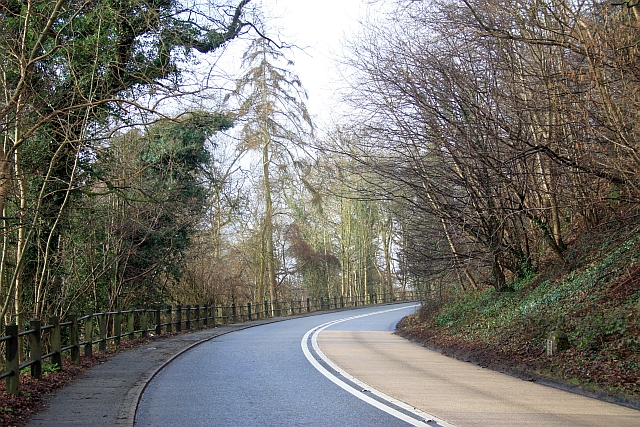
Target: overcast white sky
319,27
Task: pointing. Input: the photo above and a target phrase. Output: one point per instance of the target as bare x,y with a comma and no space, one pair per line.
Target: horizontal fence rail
83,333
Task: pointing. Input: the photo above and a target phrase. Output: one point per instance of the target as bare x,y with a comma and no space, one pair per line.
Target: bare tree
271,100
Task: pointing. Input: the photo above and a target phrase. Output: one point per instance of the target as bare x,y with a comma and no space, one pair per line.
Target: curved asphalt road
262,377
334,370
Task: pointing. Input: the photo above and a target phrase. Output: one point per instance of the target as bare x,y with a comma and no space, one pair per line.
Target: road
341,369
261,377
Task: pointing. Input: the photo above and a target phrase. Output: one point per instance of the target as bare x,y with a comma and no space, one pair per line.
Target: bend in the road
357,388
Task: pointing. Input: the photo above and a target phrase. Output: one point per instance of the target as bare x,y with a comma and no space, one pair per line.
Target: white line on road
422,417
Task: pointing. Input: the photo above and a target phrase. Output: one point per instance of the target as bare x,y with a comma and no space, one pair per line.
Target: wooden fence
99,329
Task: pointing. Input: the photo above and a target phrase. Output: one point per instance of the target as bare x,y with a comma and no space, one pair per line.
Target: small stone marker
557,341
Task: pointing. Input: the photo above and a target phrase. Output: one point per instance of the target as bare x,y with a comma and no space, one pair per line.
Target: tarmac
108,394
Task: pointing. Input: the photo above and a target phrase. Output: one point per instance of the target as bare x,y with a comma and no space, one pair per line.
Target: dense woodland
133,172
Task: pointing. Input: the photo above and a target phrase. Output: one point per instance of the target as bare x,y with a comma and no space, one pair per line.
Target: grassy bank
595,300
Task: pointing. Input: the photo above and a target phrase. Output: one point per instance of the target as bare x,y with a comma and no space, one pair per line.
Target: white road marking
423,416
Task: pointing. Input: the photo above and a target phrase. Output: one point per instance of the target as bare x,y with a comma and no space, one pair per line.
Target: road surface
347,369
261,377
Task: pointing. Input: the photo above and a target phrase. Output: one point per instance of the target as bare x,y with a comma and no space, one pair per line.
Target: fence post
205,319
214,313
249,311
35,348
74,340
88,336
117,327
12,362
131,317
341,301
158,321
143,323
188,320
308,305
234,312
102,326
55,341
179,318
266,309
169,320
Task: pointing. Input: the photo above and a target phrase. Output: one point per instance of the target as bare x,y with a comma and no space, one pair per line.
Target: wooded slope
596,303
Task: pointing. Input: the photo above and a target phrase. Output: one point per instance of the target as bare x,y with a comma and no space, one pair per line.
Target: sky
318,28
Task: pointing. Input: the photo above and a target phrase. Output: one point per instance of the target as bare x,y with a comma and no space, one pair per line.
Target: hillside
595,301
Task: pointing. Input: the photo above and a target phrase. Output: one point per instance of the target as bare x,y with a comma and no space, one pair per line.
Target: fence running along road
76,333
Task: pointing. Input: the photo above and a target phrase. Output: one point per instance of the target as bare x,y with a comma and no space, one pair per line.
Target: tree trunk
270,262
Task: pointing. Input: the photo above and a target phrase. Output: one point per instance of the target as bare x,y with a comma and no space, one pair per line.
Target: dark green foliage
71,70
143,217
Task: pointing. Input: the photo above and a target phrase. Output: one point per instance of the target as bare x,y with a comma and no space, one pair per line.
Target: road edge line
312,335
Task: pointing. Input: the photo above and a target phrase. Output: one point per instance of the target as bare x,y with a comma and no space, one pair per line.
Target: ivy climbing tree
71,72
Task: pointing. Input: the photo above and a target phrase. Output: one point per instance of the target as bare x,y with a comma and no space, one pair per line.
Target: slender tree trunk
388,259
5,180
268,223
